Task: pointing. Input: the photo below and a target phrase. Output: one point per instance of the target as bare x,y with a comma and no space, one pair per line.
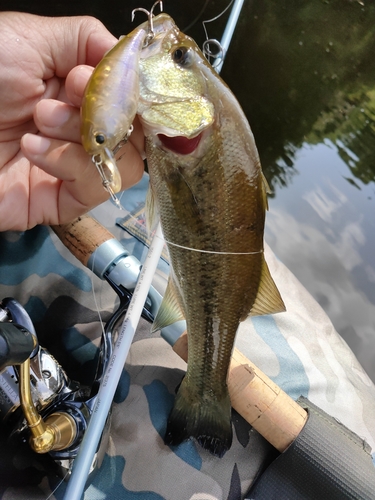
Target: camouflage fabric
300,350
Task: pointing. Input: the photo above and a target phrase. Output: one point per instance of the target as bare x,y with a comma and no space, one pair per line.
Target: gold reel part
57,432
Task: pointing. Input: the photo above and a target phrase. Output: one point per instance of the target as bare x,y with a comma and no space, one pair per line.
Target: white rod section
88,448
229,30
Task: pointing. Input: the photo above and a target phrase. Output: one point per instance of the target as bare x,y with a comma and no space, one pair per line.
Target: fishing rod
106,393
259,400
229,30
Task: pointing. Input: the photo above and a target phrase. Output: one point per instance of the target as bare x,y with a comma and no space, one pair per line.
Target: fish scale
212,202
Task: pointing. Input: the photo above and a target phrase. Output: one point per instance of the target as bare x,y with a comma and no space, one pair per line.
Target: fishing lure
110,103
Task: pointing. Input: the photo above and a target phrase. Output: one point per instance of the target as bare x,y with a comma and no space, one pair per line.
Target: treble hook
150,35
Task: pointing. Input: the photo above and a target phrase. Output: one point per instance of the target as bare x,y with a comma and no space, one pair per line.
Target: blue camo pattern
299,350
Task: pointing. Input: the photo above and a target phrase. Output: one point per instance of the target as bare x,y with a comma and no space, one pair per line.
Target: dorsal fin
170,310
268,299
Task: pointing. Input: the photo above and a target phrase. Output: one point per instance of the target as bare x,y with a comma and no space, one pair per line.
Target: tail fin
206,419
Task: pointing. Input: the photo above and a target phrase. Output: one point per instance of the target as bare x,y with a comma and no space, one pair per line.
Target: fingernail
35,144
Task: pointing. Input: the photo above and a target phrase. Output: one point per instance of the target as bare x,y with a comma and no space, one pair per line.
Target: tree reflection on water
307,73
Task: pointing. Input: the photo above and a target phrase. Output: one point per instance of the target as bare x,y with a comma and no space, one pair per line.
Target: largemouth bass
207,187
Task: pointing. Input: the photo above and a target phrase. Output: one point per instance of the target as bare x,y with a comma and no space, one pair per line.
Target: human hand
46,177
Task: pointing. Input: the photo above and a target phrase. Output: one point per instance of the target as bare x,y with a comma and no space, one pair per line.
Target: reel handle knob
16,344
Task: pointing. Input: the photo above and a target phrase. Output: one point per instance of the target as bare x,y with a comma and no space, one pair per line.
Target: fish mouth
180,145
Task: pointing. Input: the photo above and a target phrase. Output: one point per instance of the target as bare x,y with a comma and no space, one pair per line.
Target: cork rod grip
274,414
82,236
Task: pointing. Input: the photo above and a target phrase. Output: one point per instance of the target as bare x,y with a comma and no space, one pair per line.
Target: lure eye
183,56
100,139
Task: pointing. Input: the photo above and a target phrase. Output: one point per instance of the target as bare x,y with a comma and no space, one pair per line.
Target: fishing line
220,54
216,17
119,199
195,20
94,293
211,251
135,219
58,486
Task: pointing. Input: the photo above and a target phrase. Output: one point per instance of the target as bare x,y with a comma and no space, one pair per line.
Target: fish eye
182,56
100,138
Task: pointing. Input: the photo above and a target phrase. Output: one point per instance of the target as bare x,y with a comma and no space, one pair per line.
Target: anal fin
268,299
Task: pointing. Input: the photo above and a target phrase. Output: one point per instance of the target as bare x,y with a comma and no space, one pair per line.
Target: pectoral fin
152,216
170,310
268,299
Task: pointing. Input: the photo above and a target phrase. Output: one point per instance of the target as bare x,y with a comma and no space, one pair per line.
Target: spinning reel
39,404
42,411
